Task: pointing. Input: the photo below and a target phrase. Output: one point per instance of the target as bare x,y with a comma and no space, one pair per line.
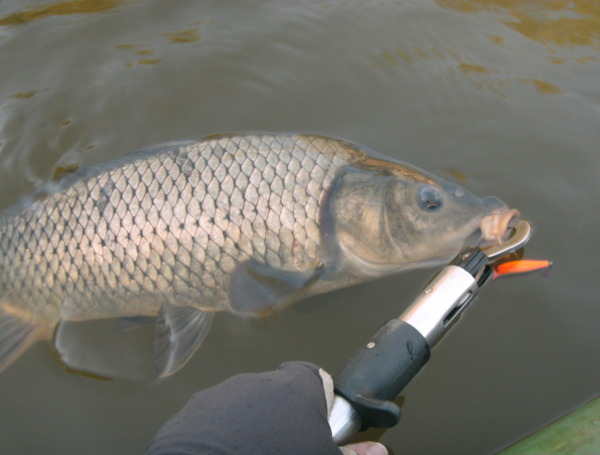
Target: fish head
396,217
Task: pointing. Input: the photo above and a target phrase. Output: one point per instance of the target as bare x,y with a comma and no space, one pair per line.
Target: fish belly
167,226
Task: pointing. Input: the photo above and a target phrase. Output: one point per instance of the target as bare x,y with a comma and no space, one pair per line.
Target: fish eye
430,198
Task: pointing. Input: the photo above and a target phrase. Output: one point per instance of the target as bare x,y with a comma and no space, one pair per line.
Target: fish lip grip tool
377,373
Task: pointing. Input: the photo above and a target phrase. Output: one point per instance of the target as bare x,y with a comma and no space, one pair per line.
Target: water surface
499,96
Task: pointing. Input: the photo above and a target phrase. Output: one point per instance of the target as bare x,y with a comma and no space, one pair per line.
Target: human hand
364,448
282,412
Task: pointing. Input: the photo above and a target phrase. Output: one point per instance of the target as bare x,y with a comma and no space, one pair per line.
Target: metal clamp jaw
367,384
445,298
475,260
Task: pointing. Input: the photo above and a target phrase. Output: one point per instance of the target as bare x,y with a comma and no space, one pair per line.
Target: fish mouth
495,225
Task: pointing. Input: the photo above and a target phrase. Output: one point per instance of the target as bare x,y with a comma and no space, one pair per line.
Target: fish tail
17,334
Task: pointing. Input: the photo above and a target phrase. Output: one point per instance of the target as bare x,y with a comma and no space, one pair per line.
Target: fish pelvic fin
179,332
17,333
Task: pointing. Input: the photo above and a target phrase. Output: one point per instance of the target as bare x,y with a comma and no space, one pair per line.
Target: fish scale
169,227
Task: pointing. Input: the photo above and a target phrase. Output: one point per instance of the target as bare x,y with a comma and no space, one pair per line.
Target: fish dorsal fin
399,170
159,148
179,331
61,172
257,288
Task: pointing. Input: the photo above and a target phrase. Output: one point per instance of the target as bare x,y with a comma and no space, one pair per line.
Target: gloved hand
282,412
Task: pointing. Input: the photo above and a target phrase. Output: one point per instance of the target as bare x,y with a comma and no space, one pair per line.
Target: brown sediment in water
59,9
183,36
560,23
388,58
125,46
149,61
469,68
421,53
496,39
545,88
22,95
404,55
438,53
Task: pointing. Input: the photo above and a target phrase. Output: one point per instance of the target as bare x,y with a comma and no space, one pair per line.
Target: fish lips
495,224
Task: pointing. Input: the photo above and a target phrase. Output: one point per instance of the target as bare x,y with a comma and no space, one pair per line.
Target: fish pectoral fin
179,332
17,334
133,322
257,288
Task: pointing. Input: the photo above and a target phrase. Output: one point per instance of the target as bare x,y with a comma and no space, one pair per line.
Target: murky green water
500,95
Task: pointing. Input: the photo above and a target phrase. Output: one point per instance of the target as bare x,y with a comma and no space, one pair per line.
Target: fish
242,223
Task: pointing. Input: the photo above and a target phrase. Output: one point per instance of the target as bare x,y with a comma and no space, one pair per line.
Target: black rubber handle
380,370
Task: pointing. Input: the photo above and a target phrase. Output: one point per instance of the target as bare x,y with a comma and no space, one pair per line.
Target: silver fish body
241,223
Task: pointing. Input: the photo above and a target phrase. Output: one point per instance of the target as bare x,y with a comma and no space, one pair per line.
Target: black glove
278,412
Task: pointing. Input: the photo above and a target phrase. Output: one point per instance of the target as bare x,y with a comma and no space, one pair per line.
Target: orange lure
521,267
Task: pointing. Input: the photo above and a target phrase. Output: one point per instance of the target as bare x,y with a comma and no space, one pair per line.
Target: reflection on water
149,61
482,77
545,88
562,23
468,69
184,36
407,57
22,95
549,23
59,9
